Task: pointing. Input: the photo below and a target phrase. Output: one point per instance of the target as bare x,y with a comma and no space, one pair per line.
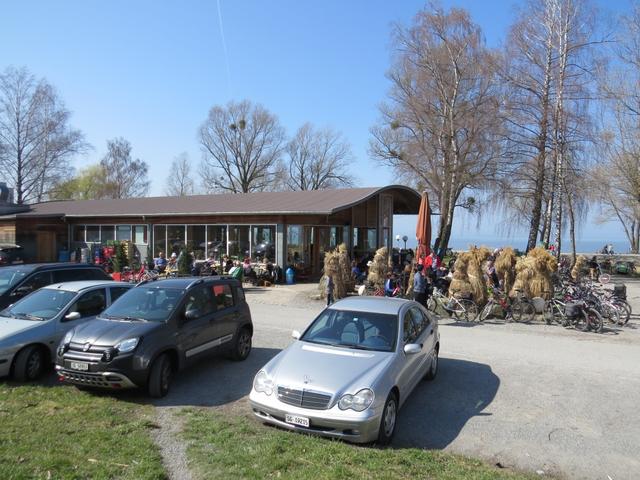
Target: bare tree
440,130
36,142
179,181
318,159
549,70
242,145
125,177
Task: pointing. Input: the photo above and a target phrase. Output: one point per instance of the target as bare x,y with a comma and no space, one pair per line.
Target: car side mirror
191,314
296,335
72,316
412,348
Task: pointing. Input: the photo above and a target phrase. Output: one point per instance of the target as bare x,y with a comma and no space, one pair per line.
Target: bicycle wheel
431,304
611,313
554,313
522,310
593,320
486,311
624,309
465,309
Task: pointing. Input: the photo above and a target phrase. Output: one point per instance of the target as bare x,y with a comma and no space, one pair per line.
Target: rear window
75,274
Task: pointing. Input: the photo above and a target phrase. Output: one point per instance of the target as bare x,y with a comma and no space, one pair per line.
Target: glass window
201,300
90,304
93,233
295,244
37,281
238,241
42,305
372,241
263,240
239,294
123,232
217,240
153,303
409,328
196,241
175,238
117,292
159,239
140,234
107,233
361,330
78,233
224,297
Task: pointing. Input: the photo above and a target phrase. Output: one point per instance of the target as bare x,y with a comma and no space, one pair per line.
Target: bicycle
522,309
459,308
497,299
554,310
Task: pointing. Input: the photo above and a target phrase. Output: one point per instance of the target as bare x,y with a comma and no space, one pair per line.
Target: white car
31,328
348,374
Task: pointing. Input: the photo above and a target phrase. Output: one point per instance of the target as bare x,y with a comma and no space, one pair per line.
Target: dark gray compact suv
17,281
155,330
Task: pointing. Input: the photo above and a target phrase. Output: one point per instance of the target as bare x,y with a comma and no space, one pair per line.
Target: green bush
120,259
184,263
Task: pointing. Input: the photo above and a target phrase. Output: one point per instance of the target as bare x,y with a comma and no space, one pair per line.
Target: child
329,290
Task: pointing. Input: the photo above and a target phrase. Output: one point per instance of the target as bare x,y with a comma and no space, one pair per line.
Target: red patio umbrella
423,228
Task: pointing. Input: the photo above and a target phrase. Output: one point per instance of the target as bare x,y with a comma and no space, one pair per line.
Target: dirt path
172,448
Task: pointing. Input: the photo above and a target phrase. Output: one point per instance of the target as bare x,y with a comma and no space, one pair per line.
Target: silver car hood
11,326
322,368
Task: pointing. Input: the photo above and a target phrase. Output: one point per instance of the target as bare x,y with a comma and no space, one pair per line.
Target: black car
16,281
10,254
155,330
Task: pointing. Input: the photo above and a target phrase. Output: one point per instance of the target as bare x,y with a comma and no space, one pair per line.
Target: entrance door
47,246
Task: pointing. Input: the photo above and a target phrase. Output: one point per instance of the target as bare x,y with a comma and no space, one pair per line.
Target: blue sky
150,71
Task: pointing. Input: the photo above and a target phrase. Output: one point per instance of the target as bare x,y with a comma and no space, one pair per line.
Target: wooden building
286,227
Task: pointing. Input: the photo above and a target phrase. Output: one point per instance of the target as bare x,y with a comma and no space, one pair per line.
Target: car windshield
9,276
42,304
151,304
358,330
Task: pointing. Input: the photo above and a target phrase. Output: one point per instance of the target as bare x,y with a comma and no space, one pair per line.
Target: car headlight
67,338
262,383
358,402
127,345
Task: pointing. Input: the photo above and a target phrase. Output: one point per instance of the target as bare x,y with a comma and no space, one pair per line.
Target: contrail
224,48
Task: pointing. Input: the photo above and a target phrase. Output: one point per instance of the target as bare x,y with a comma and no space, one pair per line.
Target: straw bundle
579,267
336,264
505,267
534,272
379,268
467,275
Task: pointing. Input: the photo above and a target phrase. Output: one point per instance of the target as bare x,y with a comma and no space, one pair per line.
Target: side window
223,295
39,280
420,322
91,303
408,328
67,275
200,299
117,292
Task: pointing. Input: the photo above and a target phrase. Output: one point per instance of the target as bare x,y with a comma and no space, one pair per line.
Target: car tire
160,377
389,420
29,364
433,369
242,345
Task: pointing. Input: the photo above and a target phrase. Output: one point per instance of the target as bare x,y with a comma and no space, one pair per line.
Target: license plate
296,420
82,366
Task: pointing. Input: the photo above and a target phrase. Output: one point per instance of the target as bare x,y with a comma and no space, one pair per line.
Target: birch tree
125,177
36,141
440,128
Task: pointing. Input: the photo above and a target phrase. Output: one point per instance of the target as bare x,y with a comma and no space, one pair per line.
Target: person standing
419,286
329,290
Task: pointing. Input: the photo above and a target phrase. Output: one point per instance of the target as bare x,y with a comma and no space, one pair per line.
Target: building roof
310,202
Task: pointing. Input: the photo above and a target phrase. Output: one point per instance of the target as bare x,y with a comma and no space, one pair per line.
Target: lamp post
404,239
398,239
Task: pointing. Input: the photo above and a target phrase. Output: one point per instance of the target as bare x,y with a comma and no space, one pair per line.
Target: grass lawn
227,446
61,432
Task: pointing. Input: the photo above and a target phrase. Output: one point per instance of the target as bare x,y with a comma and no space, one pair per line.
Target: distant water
582,246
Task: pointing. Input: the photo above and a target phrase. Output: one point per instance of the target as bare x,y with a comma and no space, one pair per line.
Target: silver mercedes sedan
348,374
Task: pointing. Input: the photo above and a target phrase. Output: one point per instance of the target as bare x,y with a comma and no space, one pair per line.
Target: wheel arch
41,346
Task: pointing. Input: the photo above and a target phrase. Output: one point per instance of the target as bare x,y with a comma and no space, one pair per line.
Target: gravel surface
538,398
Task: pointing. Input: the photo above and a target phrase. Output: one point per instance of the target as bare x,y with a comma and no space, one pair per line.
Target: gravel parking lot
534,397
